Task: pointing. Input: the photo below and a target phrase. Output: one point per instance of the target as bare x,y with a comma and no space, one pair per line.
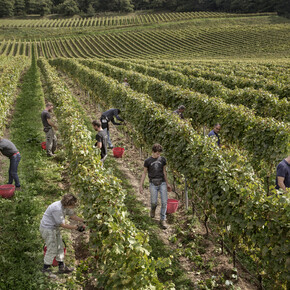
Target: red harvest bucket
7,190
43,145
54,263
118,152
172,205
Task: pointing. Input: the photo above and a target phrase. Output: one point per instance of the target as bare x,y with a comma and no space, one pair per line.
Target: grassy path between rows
20,241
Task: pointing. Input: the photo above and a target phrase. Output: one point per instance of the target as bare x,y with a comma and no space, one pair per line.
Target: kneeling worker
52,220
102,140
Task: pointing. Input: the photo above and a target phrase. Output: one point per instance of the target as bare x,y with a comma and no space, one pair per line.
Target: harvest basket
118,152
172,205
7,190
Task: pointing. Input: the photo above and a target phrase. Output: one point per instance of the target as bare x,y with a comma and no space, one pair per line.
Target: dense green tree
19,7
69,8
126,5
57,2
45,7
283,7
33,7
90,10
120,5
95,4
6,8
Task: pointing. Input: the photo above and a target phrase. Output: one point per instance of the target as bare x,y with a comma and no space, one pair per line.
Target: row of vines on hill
264,103
182,42
11,69
120,20
276,84
264,138
224,180
227,86
122,253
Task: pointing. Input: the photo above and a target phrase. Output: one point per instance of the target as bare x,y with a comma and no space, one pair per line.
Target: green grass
20,241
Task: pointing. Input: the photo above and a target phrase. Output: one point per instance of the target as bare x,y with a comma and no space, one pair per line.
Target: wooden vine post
186,194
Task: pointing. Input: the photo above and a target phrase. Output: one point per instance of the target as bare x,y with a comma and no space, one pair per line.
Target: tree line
10,8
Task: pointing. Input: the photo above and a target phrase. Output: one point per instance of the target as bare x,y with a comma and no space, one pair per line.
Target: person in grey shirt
8,149
48,127
53,219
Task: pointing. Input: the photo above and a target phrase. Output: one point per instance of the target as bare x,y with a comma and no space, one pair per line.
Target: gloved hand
81,228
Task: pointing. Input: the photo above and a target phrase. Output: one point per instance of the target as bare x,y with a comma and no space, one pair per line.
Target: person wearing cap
53,219
214,133
155,166
125,83
283,175
8,149
48,127
109,116
180,111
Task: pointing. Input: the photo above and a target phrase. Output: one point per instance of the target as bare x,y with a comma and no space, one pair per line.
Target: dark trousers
14,161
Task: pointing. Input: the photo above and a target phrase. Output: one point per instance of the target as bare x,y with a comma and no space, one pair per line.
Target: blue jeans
109,140
162,188
14,161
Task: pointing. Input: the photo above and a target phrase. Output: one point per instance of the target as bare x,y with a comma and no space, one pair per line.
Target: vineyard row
265,138
11,69
159,44
224,181
120,249
122,20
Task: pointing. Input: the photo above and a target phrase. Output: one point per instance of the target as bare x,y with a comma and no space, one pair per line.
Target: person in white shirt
52,220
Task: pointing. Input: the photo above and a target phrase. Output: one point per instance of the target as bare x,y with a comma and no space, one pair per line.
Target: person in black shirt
48,126
156,168
106,118
180,111
102,139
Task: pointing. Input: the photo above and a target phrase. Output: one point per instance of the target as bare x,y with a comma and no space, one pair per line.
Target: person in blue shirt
214,132
283,174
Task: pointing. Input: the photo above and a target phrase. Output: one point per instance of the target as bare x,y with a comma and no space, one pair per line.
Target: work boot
152,212
163,225
64,269
48,273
